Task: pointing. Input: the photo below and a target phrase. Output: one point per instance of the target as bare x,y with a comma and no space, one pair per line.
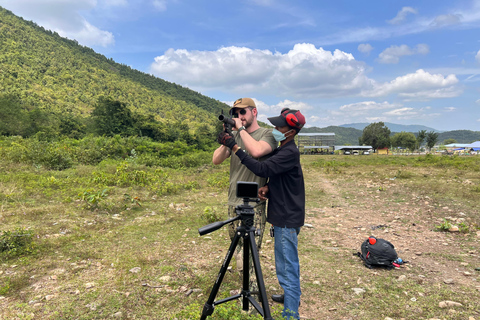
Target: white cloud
115,3
468,17
365,48
65,18
263,3
160,5
409,113
446,20
402,15
478,101
420,85
372,111
393,53
303,71
364,111
477,56
360,108
450,109
91,34
402,113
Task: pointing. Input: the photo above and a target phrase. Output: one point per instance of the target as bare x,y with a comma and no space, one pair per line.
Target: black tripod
246,230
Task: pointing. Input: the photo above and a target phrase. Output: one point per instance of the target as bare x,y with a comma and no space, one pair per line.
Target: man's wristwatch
241,128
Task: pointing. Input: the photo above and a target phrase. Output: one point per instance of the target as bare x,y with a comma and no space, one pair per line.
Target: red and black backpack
378,253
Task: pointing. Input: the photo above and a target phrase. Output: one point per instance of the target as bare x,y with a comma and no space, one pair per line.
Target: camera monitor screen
247,189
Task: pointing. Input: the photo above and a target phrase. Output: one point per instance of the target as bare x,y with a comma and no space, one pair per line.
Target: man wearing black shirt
286,206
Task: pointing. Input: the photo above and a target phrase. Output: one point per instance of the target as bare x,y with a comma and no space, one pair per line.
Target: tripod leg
209,305
246,270
259,275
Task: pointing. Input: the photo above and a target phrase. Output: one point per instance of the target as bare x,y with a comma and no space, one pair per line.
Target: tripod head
249,192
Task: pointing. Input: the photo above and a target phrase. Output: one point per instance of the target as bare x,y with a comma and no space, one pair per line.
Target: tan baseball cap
244,103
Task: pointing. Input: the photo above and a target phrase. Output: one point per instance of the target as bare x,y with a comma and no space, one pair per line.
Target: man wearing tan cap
258,142
286,204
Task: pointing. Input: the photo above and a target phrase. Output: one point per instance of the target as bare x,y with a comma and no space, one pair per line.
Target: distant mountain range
392,126
348,135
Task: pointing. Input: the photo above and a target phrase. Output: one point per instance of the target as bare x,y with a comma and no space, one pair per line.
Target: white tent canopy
475,144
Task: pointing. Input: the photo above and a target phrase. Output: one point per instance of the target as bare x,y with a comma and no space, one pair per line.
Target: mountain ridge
350,136
392,126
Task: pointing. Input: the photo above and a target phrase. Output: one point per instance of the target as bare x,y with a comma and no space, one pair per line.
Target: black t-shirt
286,204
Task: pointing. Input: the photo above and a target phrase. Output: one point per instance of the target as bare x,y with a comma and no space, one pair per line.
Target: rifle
228,122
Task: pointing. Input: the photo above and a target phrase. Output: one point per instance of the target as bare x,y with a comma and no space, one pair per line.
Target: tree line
109,117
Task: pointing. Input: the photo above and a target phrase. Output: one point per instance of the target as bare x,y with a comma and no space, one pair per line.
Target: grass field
120,240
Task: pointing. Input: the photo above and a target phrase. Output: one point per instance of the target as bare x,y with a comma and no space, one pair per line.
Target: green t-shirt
238,172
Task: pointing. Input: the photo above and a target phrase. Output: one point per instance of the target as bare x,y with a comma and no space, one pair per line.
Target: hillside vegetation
58,77
461,136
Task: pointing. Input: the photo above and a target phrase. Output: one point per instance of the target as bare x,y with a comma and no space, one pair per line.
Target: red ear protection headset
291,118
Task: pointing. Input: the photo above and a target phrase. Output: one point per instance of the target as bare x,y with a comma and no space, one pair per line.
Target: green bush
190,160
16,242
91,150
92,198
51,155
219,180
211,215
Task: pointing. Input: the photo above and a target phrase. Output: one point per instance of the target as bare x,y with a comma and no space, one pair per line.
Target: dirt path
355,210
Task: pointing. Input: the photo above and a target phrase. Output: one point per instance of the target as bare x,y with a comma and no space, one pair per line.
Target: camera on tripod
249,192
247,189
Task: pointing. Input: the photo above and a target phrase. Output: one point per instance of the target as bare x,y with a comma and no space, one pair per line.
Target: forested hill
52,73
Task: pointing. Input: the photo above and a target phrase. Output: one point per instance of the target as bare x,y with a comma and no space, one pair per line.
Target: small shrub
219,180
404,174
444,226
92,199
164,188
4,288
16,242
211,215
133,200
463,227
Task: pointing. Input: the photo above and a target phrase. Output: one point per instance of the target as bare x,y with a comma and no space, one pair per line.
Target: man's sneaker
280,298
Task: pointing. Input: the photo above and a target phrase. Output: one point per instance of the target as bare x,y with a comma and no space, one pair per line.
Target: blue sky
406,62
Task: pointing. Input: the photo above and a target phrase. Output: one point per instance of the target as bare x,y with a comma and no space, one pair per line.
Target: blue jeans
287,266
